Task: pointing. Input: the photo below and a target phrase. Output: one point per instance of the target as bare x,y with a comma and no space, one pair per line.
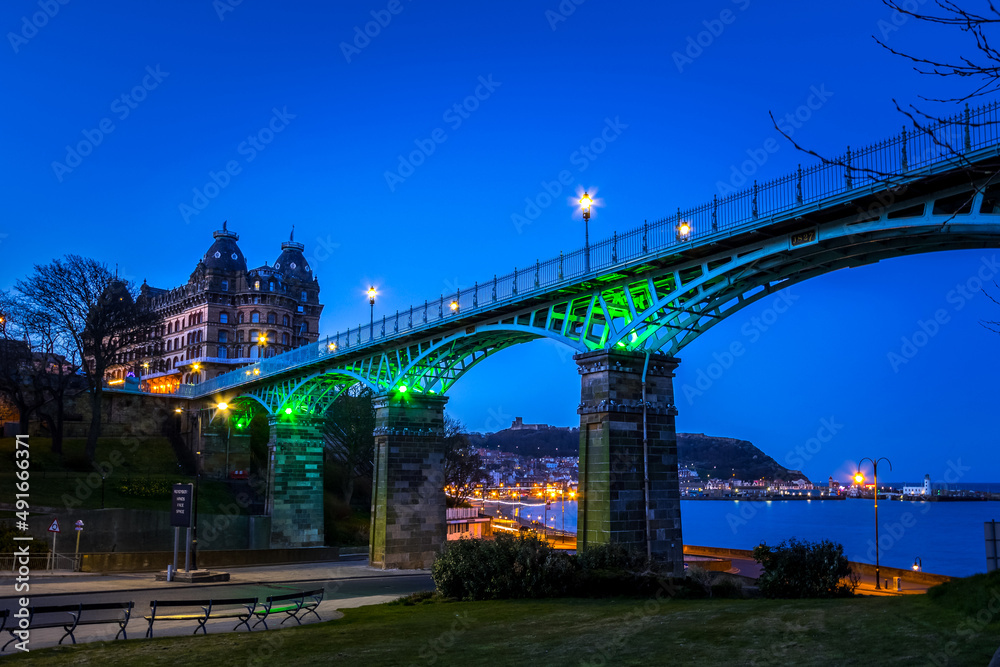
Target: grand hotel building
226,316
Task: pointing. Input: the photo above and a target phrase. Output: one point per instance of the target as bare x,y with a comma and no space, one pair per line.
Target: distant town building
225,316
519,425
918,489
466,522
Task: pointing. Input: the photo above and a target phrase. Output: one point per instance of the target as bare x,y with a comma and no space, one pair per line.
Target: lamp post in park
860,478
585,203
371,302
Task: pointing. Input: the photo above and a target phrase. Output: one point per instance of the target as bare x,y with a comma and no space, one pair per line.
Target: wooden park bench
71,616
239,608
291,604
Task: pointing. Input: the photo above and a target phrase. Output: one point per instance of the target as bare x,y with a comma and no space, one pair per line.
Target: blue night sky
216,75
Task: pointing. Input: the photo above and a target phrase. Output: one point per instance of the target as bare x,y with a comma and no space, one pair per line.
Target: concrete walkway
141,587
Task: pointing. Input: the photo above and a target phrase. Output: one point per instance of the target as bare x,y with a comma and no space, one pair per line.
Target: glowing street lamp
859,478
585,203
454,306
371,302
223,406
683,231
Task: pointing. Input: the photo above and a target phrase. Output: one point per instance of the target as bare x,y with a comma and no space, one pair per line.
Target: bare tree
350,423
15,363
463,467
79,301
37,369
978,68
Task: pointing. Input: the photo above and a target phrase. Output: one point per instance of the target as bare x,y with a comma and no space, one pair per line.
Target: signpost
992,552
78,527
54,529
180,517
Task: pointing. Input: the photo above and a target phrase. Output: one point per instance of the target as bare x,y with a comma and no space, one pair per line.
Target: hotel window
223,318
304,328
254,336
240,318
272,318
271,286
239,336
284,339
305,295
225,285
223,337
222,352
255,317
256,285
285,320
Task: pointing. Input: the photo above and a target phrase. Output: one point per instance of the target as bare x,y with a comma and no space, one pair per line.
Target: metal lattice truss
659,306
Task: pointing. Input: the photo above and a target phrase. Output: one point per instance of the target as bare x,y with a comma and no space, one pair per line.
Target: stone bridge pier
613,463
295,481
408,501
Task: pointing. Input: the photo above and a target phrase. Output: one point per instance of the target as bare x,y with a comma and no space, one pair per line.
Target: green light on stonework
402,389
288,411
621,343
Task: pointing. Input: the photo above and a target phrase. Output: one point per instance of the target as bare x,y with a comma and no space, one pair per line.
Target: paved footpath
346,584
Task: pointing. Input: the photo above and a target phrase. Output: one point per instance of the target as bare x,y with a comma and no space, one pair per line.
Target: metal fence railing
896,159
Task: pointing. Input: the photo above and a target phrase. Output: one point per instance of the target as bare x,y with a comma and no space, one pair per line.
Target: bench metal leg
13,638
203,621
312,610
245,620
262,619
70,628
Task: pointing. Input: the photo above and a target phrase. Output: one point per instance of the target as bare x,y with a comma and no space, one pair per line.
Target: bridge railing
892,160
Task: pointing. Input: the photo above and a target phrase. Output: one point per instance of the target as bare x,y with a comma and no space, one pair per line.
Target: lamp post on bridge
859,478
371,302
585,204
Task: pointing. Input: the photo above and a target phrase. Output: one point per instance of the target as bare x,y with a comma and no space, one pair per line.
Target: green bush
802,569
524,566
521,566
144,488
614,556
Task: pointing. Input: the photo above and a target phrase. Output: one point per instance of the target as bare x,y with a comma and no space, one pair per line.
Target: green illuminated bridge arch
652,289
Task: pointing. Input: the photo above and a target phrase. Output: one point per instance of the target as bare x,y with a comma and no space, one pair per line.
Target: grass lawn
907,630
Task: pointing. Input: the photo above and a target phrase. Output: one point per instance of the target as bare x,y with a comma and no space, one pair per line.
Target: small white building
918,490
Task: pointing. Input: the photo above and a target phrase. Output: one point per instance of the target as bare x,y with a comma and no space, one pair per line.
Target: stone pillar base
408,501
296,484
612,506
